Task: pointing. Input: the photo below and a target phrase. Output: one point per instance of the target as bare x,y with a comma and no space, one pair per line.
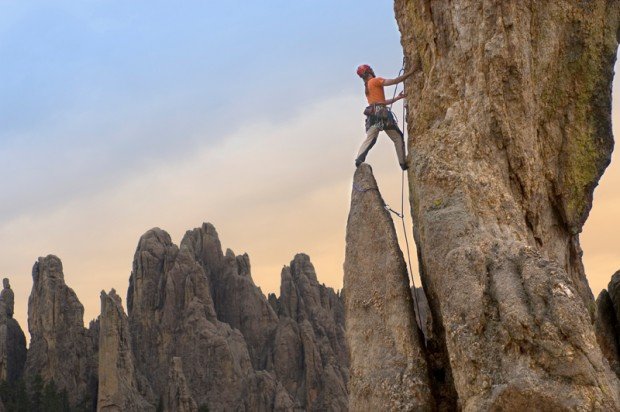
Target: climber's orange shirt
375,90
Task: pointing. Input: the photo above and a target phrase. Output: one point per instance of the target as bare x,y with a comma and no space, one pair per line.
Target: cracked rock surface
388,363
509,132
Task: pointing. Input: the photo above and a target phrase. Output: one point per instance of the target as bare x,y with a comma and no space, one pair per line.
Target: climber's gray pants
371,138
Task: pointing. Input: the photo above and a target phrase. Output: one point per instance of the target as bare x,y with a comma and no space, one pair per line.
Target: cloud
271,189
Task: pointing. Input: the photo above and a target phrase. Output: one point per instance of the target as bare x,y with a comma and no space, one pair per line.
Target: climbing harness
401,215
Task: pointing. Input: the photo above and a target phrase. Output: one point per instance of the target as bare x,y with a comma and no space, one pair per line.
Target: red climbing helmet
363,69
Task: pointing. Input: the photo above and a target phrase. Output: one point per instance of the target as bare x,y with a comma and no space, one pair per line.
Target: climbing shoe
404,166
358,163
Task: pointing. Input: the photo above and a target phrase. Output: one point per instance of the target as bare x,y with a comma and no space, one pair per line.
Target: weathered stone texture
120,386
172,314
12,339
237,300
61,349
238,348
7,297
178,397
198,333
388,364
608,322
12,349
308,351
509,125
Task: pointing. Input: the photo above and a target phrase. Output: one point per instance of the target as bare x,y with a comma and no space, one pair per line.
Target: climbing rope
401,215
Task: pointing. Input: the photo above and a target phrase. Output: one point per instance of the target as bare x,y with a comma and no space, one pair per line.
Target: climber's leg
399,143
371,139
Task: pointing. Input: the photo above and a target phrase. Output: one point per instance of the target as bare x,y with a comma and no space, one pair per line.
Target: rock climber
378,114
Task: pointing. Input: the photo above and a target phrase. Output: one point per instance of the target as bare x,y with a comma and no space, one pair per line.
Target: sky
116,117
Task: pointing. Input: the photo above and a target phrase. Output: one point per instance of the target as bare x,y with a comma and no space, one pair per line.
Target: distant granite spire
121,388
61,349
12,339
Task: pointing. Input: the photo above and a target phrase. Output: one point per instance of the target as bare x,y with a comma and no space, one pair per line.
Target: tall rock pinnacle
388,365
61,349
308,351
172,314
12,339
237,300
509,132
120,386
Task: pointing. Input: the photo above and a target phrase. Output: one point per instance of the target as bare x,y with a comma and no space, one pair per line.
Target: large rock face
238,349
61,349
121,388
509,125
199,333
171,314
388,364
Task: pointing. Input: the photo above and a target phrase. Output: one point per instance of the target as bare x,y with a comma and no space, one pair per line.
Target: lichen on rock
509,125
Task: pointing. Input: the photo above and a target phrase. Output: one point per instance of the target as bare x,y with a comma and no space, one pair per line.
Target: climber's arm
399,79
401,95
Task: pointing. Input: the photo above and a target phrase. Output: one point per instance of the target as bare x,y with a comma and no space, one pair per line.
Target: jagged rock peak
7,298
173,315
12,339
301,266
61,349
309,353
237,300
120,386
388,364
204,244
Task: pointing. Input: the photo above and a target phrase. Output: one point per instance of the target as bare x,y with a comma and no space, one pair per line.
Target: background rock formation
7,297
388,365
238,350
608,322
61,349
199,333
236,299
12,349
308,352
12,339
171,313
510,131
178,398
120,386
